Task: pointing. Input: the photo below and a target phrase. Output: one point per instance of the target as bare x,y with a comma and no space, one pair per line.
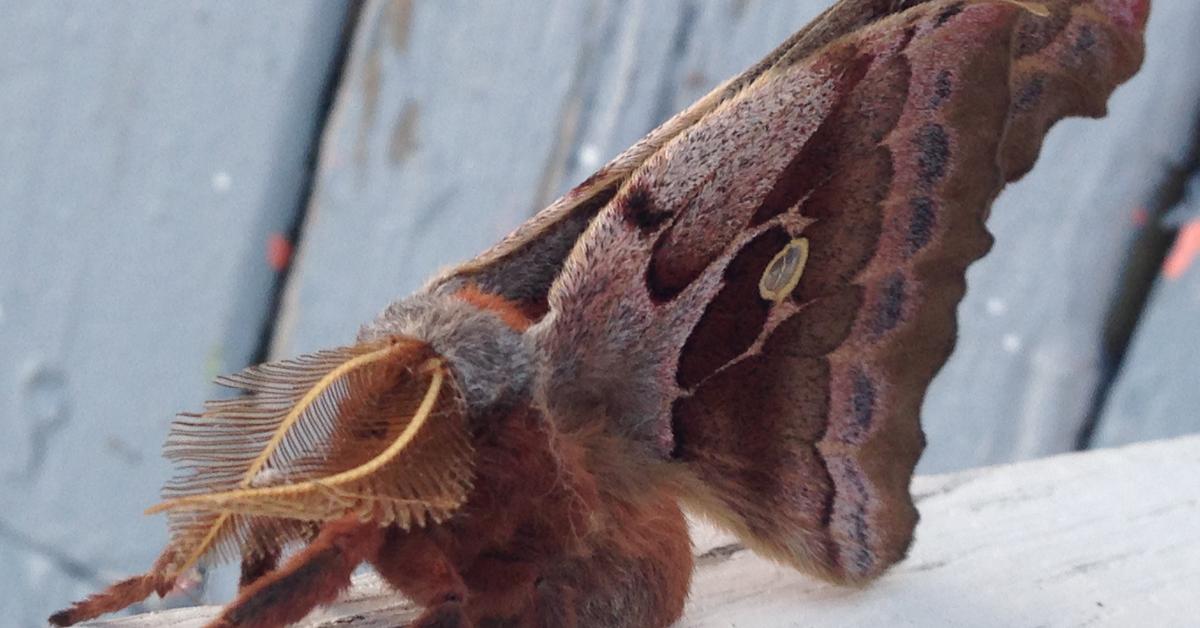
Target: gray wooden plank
148,151
1157,392
1121,549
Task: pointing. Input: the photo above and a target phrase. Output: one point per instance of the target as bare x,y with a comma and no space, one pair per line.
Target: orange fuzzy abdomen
541,538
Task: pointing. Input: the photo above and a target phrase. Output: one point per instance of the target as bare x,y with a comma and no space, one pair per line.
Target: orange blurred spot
496,304
1140,217
279,252
1187,247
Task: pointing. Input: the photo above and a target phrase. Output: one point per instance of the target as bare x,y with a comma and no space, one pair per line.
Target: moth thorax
489,359
784,271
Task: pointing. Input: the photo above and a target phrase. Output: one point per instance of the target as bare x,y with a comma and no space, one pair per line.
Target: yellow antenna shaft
309,397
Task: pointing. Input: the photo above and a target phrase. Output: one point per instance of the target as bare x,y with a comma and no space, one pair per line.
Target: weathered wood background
158,158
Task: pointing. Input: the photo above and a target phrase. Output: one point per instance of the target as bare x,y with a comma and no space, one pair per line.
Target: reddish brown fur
116,597
121,595
312,577
540,543
255,567
508,311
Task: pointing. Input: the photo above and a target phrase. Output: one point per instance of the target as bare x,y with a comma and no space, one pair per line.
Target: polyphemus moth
740,314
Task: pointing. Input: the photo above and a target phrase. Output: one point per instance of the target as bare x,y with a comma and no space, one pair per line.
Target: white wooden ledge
1102,538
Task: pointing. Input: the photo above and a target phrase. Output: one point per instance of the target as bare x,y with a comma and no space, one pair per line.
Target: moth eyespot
784,271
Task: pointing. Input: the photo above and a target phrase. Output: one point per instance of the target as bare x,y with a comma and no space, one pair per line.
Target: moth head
378,430
480,336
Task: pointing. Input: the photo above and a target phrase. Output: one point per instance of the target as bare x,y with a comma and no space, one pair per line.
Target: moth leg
121,595
449,614
312,577
414,564
257,566
266,549
636,577
553,606
501,586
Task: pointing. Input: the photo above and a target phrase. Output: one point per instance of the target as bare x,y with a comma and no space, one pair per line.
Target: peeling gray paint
147,150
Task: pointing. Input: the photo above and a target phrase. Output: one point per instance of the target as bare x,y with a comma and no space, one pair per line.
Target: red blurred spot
1140,217
279,252
1187,247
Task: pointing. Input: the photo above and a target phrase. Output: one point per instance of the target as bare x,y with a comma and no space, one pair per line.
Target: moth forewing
795,408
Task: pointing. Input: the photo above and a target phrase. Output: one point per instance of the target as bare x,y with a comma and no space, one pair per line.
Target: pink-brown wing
794,420
522,267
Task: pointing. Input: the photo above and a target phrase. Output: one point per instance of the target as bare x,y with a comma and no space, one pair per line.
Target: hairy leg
637,577
501,586
312,577
257,566
261,557
415,565
554,603
634,574
120,595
